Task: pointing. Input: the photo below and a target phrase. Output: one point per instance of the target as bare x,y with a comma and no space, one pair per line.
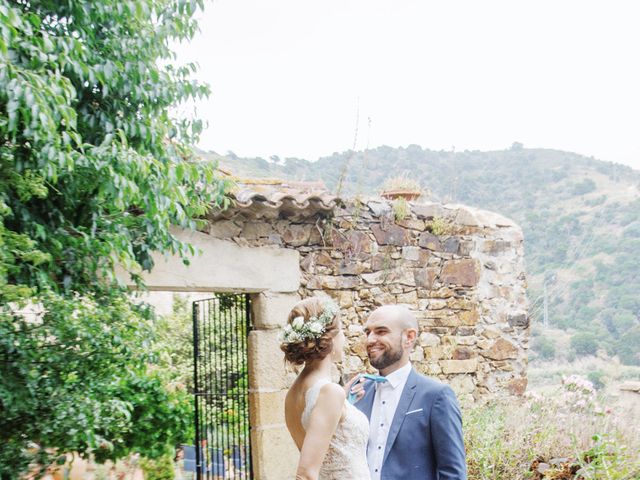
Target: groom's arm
446,435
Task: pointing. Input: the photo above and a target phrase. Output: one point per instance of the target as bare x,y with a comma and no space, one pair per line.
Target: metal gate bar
221,388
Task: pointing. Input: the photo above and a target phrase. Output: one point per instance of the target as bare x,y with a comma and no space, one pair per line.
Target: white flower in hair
297,323
316,327
295,337
297,330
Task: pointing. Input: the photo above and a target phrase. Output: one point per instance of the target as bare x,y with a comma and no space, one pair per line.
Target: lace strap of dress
310,398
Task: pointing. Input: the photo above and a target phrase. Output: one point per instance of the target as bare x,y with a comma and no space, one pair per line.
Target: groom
415,422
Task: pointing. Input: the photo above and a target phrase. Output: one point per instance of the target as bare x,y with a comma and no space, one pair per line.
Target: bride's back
294,405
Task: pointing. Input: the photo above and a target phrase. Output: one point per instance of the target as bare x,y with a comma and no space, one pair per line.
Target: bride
330,433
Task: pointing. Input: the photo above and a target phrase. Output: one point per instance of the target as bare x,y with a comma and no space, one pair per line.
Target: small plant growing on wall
439,226
358,205
400,208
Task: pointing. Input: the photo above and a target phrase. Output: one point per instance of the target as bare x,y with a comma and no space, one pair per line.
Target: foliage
158,469
400,208
597,378
173,344
627,347
94,172
93,168
606,459
585,186
228,371
76,378
439,226
545,375
584,343
545,347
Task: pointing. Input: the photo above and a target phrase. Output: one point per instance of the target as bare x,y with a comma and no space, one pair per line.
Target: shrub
584,343
402,182
158,469
545,348
400,208
597,379
584,187
627,347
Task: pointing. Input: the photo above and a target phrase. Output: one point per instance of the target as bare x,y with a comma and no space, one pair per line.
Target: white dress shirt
384,408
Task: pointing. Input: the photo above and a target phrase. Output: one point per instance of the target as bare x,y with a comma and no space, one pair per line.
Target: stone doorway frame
271,276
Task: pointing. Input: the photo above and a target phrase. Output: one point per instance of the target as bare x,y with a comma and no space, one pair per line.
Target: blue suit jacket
425,439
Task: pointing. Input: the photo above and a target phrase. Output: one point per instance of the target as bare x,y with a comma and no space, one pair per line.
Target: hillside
580,216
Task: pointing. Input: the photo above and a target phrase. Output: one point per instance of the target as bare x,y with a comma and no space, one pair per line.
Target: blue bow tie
368,376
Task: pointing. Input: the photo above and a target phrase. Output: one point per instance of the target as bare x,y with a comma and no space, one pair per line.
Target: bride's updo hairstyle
303,340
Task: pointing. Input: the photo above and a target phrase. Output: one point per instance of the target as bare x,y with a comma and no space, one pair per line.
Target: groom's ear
411,335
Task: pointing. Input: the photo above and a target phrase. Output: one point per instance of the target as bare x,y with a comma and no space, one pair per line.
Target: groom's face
384,341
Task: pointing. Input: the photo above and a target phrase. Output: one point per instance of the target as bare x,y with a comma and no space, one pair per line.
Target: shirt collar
399,376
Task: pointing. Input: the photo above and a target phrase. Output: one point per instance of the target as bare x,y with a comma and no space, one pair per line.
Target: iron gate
221,390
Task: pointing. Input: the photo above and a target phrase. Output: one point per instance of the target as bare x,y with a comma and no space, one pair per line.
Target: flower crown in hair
299,330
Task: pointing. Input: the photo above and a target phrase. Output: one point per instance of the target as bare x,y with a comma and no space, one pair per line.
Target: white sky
287,75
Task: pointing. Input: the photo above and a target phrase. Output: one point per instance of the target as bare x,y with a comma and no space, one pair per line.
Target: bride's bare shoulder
332,392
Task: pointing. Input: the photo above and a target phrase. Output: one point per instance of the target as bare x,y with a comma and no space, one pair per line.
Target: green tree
94,171
585,186
545,347
173,342
627,347
584,343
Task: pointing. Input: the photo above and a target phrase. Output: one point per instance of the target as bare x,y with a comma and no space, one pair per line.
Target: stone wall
461,271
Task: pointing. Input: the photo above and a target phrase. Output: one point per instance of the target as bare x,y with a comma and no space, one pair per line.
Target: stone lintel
222,265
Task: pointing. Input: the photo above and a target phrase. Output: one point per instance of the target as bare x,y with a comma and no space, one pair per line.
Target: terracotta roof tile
274,197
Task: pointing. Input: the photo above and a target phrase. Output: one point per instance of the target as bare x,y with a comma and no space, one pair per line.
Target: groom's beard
387,358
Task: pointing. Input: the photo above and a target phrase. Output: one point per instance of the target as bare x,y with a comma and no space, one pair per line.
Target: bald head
398,316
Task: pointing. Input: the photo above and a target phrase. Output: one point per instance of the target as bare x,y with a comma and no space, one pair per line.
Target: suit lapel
403,406
366,404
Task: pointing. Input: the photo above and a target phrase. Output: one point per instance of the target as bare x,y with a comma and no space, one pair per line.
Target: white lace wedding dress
347,455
